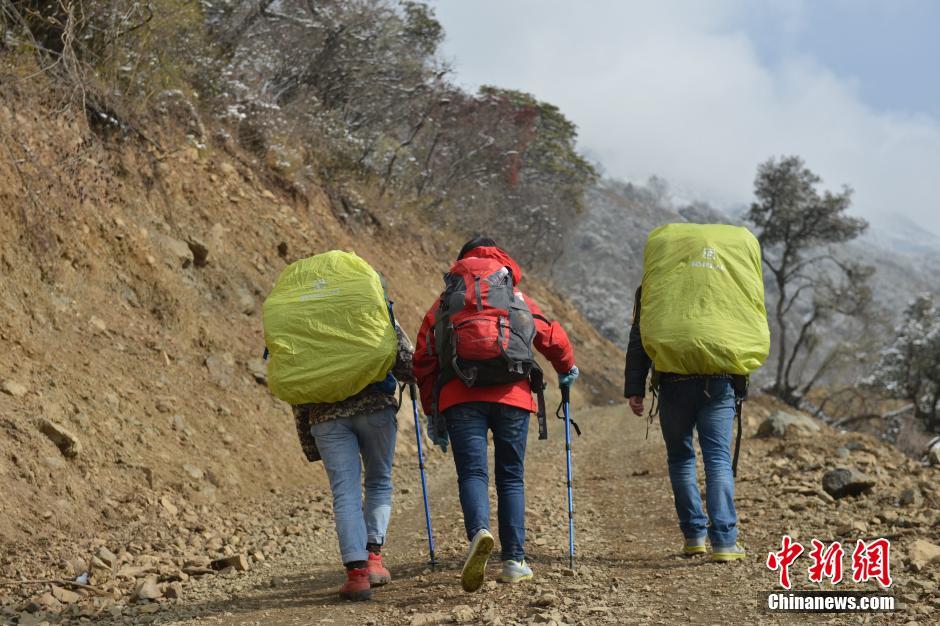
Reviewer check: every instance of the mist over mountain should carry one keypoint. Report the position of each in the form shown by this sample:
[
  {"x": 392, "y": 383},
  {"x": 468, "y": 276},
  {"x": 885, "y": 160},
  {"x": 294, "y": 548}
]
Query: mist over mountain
[{"x": 602, "y": 264}]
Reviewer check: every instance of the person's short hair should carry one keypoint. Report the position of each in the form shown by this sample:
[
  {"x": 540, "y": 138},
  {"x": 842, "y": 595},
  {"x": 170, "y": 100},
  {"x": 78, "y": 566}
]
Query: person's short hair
[{"x": 477, "y": 241}]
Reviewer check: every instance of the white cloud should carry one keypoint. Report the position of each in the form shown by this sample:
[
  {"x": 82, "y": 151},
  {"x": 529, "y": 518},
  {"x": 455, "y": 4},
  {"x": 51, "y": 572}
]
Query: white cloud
[{"x": 676, "y": 89}]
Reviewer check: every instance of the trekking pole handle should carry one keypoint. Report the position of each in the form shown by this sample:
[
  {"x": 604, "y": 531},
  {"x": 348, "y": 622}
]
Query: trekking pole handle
[{"x": 565, "y": 393}]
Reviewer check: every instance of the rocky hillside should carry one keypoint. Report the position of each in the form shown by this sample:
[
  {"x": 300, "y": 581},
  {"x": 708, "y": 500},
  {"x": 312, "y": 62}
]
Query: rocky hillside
[{"x": 134, "y": 264}]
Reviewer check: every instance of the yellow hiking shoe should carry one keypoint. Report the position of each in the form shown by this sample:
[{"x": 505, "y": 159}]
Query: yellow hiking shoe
[
  {"x": 694, "y": 546},
  {"x": 471, "y": 578},
  {"x": 728, "y": 553}
]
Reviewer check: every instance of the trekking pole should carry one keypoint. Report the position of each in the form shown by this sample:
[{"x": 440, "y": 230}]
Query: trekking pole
[
  {"x": 566, "y": 404},
  {"x": 424, "y": 482}
]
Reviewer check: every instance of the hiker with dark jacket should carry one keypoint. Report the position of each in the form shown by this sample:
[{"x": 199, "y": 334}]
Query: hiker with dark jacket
[
  {"x": 687, "y": 403},
  {"x": 465, "y": 414},
  {"x": 359, "y": 432}
]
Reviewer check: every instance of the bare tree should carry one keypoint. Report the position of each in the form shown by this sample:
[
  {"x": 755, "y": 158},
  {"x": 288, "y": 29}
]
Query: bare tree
[{"x": 798, "y": 227}]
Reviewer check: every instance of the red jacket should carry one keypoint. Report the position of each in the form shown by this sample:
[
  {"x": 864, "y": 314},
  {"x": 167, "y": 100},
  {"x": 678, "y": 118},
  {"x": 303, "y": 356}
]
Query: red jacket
[{"x": 550, "y": 339}]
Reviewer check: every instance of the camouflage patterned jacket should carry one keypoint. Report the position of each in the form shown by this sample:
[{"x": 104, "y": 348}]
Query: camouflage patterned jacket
[{"x": 363, "y": 403}]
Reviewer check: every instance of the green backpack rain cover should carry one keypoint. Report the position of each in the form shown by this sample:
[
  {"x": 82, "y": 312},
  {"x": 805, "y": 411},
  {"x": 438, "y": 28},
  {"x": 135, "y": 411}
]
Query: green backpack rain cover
[
  {"x": 702, "y": 302},
  {"x": 328, "y": 329}
]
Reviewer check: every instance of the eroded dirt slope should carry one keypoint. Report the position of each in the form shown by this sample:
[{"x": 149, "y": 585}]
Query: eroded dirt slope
[{"x": 134, "y": 264}]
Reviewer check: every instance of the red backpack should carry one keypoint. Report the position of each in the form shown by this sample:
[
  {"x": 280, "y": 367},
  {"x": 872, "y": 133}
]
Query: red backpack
[{"x": 483, "y": 330}]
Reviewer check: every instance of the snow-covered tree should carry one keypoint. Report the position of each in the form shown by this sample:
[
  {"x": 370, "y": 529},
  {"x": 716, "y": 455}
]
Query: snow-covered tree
[{"x": 909, "y": 368}]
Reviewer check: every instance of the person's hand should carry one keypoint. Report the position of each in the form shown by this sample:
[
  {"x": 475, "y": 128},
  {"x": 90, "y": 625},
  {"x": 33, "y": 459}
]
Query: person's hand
[
  {"x": 567, "y": 380},
  {"x": 636, "y": 405}
]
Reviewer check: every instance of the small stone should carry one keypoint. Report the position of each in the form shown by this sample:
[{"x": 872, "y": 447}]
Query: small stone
[
  {"x": 13, "y": 388},
  {"x": 844, "y": 481},
  {"x": 168, "y": 506},
  {"x": 463, "y": 614},
  {"x": 246, "y": 303},
  {"x": 98, "y": 324},
  {"x": 429, "y": 619},
  {"x": 843, "y": 453},
  {"x": 148, "y": 589},
  {"x": 173, "y": 590},
  {"x": 179, "y": 252},
  {"x": 67, "y": 443},
  {"x": 64, "y": 595},
  {"x": 911, "y": 497},
  {"x": 921, "y": 554},
  {"x": 193, "y": 472},
  {"x": 236, "y": 561},
  {"x": 197, "y": 570},
  {"x": 778, "y": 424},
  {"x": 221, "y": 368},
  {"x": 199, "y": 250},
  {"x": 107, "y": 557},
  {"x": 546, "y": 599},
  {"x": 259, "y": 370},
  {"x": 853, "y": 529}
]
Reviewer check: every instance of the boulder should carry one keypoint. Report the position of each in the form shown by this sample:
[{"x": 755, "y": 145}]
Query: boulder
[
  {"x": 844, "y": 481},
  {"x": 780, "y": 422},
  {"x": 67, "y": 443}
]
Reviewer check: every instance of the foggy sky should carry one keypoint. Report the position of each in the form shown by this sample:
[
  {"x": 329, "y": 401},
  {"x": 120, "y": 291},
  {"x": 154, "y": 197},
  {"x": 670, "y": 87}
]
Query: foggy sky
[{"x": 701, "y": 92}]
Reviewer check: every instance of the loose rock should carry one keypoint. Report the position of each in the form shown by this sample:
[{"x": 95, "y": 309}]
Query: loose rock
[
  {"x": 844, "y": 481},
  {"x": 237, "y": 561},
  {"x": 779, "y": 423},
  {"x": 13, "y": 388},
  {"x": 922, "y": 554},
  {"x": 149, "y": 589},
  {"x": 200, "y": 252},
  {"x": 67, "y": 443}
]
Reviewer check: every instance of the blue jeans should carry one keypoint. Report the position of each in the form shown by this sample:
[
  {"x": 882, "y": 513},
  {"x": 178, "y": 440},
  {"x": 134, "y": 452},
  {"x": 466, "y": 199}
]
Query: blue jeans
[
  {"x": 341, "y": 442},
  {"x": 467, "y": 425},
  {"x": 708, "y": 405}
]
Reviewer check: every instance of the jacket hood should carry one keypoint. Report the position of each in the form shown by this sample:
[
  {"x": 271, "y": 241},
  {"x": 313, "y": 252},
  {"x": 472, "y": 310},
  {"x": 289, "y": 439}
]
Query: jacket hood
[{"x": 497, "y": 254}]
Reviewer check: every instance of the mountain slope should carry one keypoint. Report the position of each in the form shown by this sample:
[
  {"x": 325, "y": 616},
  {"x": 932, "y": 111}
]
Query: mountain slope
[{"x": 133, "y": 274}]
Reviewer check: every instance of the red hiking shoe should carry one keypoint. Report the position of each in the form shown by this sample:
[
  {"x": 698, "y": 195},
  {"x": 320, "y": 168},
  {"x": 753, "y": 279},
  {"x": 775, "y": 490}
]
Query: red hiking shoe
[
  {"x": 378, "y": 575},
  {"x": 357, "y": 585}
]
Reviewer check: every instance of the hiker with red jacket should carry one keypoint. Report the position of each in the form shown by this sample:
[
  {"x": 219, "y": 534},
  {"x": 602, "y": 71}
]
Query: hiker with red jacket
[{"x": 474, "y": 363}]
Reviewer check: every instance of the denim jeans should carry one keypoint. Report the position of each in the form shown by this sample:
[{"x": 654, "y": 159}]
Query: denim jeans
[
  {"x": 341, "y": 443},
  {"x": 467, "y": 426},
  {"x": 707, "y": 405}
]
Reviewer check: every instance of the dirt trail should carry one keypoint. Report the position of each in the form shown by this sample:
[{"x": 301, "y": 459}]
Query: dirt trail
[{"x": 628, "y": 569}]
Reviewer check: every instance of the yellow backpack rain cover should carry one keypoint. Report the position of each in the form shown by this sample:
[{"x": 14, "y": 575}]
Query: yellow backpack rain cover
[
  {"x": 328, "y": 329},
  {"x": 702, "y": 303}
]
